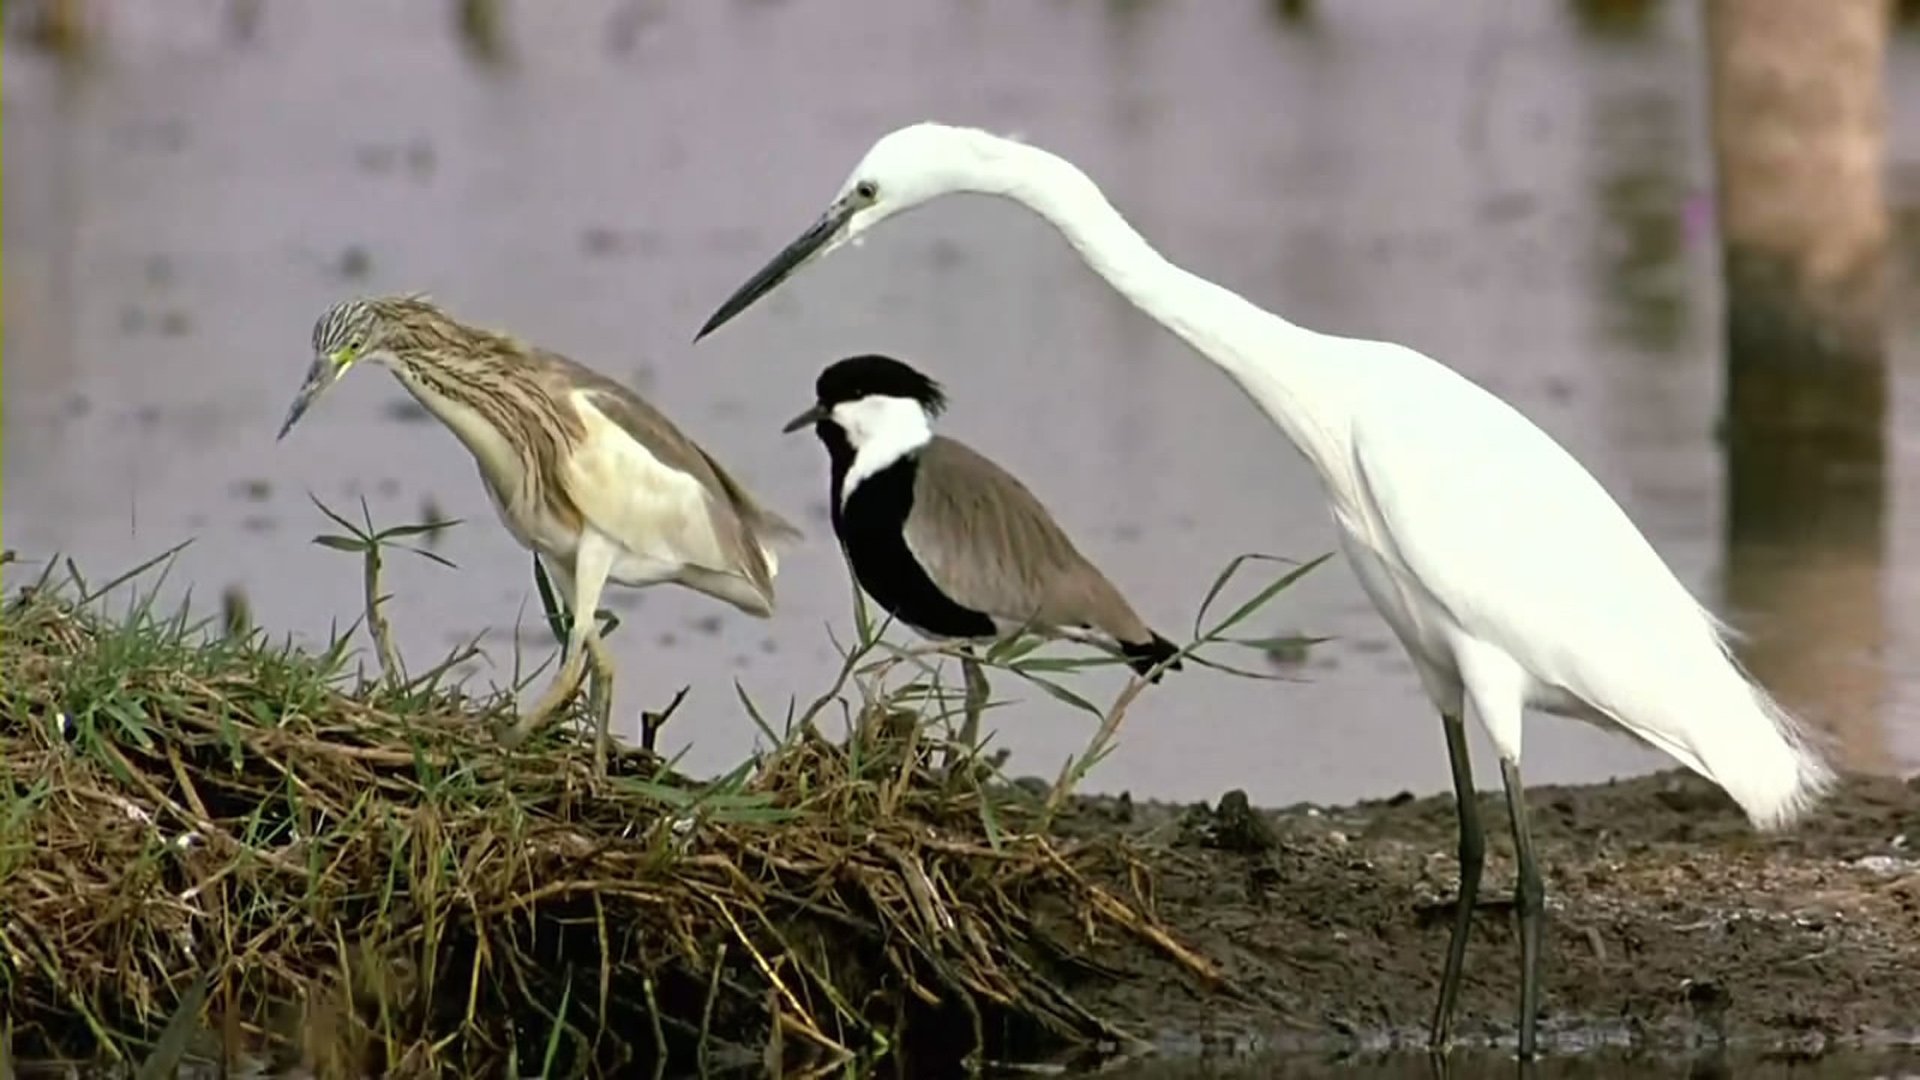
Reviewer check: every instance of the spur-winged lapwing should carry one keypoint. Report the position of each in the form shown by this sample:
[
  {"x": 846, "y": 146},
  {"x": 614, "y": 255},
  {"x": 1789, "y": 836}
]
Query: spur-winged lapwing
[{"x": 946, "y": 541}]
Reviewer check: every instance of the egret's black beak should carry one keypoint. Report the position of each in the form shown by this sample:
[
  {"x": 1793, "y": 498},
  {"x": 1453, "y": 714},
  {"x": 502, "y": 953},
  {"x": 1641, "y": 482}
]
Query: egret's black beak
[
  {"x": 795, "y": 255},
  {"x": 320, "y": 376},
  {"x": 806, "y": 419}
]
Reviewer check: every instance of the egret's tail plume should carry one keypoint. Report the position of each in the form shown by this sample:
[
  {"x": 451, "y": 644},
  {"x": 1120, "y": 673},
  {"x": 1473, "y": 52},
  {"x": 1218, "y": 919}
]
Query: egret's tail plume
[
  {"x": 1776, "y": 781},
  {"x": 1743, "y": 740},
  {"x": 1732, "y": 732}
]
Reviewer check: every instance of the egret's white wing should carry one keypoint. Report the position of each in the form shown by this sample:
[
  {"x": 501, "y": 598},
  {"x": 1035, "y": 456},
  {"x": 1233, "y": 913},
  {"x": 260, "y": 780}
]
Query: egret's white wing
[{"x": 1488, "y": 518}]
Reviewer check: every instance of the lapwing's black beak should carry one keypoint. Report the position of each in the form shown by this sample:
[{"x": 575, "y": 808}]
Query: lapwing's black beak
[
  {"x": 320, "y": 376},
  {"x": 806, "y": 419},
  {"x": 819, "y": 235}
]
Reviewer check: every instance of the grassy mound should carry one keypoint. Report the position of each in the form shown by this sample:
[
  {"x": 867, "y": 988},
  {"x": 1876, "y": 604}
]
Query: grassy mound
[{"x": 351, "y": 872}]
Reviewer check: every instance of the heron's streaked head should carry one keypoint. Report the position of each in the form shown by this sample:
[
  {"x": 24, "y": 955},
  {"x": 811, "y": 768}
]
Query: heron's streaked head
[
  {"x": 907, "y": 167},
  {"x": 873, "y": 399},
  {"x": 350, "y": 331}
]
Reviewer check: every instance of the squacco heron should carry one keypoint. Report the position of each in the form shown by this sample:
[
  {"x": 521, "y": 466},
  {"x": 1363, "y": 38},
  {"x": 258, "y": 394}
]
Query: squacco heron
[{"x": 598, "y": 483}]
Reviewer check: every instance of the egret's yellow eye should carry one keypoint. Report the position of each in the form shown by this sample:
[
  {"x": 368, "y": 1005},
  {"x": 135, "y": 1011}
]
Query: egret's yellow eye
[{"x": 344, "y": 356}]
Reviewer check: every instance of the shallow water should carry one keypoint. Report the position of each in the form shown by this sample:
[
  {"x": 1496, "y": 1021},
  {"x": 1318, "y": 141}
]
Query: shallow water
[{"x": 1512, "y": 191}]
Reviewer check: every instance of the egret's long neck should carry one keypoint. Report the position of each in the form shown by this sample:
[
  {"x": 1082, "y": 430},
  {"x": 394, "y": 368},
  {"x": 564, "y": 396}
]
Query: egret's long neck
[{"x": 1273, "y": 360}]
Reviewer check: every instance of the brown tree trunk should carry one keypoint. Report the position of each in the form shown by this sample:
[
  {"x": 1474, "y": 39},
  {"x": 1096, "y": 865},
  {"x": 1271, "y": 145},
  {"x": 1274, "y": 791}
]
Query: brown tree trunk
[{"x": 1799, "y": 145}]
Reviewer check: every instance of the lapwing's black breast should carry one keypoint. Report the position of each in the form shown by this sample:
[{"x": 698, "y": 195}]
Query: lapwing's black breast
[{"x": 871, "y": 526}]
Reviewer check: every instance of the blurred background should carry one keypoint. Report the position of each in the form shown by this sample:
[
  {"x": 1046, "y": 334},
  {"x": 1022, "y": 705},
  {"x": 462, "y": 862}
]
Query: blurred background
[{"x": 1524, "y": 189}]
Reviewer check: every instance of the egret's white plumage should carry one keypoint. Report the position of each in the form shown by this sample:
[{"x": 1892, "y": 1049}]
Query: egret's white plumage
[{"x": 1506, "y": 570}]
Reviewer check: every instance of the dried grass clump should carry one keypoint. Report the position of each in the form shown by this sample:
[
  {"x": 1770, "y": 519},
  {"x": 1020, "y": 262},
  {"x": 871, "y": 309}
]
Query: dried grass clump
[{"x": 355, "y": 875}]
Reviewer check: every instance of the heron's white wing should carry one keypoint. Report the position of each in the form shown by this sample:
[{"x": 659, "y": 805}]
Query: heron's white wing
[
  {"x": 657, "y": 513},
  {"x": 664, "y": 440}
]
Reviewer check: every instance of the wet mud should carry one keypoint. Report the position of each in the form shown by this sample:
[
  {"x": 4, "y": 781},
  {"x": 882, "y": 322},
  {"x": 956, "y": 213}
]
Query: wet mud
[{"x": 1671, "y": 924}]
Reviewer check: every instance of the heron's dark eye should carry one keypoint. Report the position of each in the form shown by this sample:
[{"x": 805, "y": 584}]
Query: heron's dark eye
[{"x": 867, "y": 189}]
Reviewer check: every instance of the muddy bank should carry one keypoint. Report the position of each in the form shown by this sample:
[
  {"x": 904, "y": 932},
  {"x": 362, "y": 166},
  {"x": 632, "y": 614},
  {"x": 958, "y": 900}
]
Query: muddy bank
[{"x": 1671, "y": 924}]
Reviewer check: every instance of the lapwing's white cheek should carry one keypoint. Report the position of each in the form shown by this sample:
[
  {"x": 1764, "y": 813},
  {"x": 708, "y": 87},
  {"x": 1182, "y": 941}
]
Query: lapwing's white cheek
[{"x": 881, "y": 419}]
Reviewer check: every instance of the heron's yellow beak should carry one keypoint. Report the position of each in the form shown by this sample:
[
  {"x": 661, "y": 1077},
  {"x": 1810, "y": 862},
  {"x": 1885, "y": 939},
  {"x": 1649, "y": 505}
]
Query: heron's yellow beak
[{"x": 326, "y": 371}]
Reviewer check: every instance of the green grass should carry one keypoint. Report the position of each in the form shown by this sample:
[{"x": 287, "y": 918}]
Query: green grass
[{"x": 347, "y": 869}]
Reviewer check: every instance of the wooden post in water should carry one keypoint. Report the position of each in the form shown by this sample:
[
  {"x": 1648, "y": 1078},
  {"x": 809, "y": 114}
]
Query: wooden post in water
[{"x": 1799, "y": 144}]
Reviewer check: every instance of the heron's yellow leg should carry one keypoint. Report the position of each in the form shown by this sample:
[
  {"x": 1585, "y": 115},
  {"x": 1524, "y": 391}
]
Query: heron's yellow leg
[
  {"x": 601, "y": 701},
  {"x": 592, "y": 561}
]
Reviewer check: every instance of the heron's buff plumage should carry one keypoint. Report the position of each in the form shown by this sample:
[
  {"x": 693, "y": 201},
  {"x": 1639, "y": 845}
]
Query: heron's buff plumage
[
  {"x": 526, "y": 392},
  {"x": 498, "y": 377}
]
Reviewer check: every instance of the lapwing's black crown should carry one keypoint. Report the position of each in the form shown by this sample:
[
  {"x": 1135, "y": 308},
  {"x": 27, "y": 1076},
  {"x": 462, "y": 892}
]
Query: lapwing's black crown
[{"x": 872, "y": 375}]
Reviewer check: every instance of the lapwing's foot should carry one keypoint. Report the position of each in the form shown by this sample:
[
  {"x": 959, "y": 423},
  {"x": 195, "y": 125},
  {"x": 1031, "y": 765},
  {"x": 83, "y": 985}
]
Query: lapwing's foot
[{"x": 965, "y": 766}]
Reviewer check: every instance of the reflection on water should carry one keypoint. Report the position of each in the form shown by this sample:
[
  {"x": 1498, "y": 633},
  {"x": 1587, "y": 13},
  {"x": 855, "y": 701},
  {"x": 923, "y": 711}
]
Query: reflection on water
[
  {"x": 1482, "y": 1066},
  {"x": 1805, "y": 550},
  {"x": 1511, "y": 187},
  {"x": 1639, "y": 164}
]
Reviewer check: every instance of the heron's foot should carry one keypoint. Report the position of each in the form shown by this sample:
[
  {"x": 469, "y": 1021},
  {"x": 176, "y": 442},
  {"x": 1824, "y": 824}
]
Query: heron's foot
[
  {"x": 510, "y": 734},
  {"x": 550, "y": 705},
  {"x": 597, "y": 785},
  {"x": 536, "y": 719},
  {"x": 600, "y": 704}
]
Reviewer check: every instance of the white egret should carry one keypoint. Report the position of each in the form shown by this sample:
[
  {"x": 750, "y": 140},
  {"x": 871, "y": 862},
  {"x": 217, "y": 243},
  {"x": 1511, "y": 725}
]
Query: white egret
[{"x": 1505, "y": 569}]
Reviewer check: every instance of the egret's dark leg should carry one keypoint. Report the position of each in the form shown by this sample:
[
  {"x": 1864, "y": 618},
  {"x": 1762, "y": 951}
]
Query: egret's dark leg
[
  {"x": 1530, "y": 899},
  {"x": 1473, "y": 855}
]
